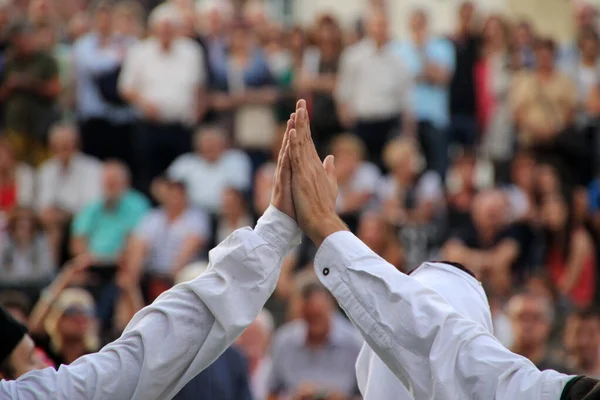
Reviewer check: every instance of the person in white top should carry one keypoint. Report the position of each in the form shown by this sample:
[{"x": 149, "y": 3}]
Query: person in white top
[
  {"x": 163, "y": 77},
  {"x": 171, "y": 341},
  {"x": 66, "y": 182},
  {"x": 211, "y": 169},
  {"x": 406, "y": 323}
]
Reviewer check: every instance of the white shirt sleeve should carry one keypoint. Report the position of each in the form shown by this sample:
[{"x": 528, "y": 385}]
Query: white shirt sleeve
[
  {"x": 406, "y": 324},
  {"x": 171, "y": 341}
]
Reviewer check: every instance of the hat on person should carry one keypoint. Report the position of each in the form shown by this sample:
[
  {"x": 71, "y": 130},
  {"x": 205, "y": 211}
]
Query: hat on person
[
  {"x": 11, "y": 334},
  {"x": 191, "y": 272}
]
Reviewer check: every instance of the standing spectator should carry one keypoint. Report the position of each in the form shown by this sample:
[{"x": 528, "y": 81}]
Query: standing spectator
[
  {"x": 531, "y": 318},
  {"x": 30, "y": 87},
  {"x": 163, "y": 79},
  {"x": 211, "y": 169},
  {"x": 105, "y": 121},
  {"x": 255, "y": 343},
  {"x": 234, "y": 215},
  {"x": 493, "y": 80},
  {"x": 65, "y": 183},
  {"x": 570, "y": 257},
  {"x": 585, "y": 329},
  {"x": 25, "y": 255},
  {"x": 377, "y": 233},
  {"x": 319, "y": 77},
  {"x": 373, "y": 92},
  {"x": 463, "y": 122},
  {"x": 168, "y": 239},
  {"x": 432, "y": 61},
  {"x": 314, "y": 356},
  {"x": 586, "y": 19},
  {"x": 246, "y": 93},
  {"x": 523, "y": 43},
  {"x": 584, "y": 71},
  {"x": 17, "y": 180},
  {"x": 488, "y": 246},
  {"x": 544, "y": 103},
  {"x": 357, "y": 179},
  {"x": 217, "y": 17},
  {"x": 102, "y": 227}
]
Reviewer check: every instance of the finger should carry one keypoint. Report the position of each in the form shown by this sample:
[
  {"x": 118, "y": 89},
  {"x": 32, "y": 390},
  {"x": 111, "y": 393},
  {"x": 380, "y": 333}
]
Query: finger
[
  {"x": 300, "y": 104},
  {"x": 281, "y": 148},
  {"x": 293, "y": 119},
  {"x": 329, "y": 165},
  {"x": 295, "y": 150},
  {"x": 300, "y": 123}
]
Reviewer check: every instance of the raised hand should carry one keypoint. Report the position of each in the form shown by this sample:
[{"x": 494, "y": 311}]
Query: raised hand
[
  {"x": 281, "y": 196},
  {"x": 314, "y": 185}
]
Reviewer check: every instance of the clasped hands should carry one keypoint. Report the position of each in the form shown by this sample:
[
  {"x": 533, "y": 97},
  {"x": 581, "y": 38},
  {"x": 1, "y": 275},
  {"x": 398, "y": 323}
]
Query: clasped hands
[{"x": 304, "y": 188}]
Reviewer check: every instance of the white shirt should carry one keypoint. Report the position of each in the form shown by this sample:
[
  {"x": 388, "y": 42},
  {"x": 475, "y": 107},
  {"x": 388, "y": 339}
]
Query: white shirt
[
  {"x": 461, "y": 291},
  {"x": 170, "y": 80},
  {"x": 69, "y": 188},
  {"x": 375, "y": 84},
  {"x": 25, "y": 179},
  {"x": 408, "y": 324},
  {"x": 172, "y": 340},
  {"x": 165, "y": 238},
  {"x": 206, "y": 181}
]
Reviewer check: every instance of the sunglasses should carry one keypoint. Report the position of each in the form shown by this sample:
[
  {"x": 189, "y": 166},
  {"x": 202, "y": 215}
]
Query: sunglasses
[{"x": 74, "y": 311}]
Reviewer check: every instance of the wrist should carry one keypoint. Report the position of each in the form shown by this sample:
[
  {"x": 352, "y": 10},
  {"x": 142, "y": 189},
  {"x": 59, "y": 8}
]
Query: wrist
[{"x": 325, "y": 226}]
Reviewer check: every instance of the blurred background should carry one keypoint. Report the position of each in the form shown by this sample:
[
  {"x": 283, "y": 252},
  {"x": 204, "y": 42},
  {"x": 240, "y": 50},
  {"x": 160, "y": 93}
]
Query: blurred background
[{"x": 137, "y": 135}]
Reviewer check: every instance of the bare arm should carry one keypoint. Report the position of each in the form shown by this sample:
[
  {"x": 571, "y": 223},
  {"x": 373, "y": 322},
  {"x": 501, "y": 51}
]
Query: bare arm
[
  {"x": 581, "y": 249},
  {"x": 190, "y": 247}
]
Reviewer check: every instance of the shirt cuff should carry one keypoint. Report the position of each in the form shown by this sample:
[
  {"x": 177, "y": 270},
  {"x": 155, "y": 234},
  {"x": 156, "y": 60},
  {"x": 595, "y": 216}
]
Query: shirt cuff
[
  {"x": 278, "y": 230},
  {"x": 338, "y": 250}
]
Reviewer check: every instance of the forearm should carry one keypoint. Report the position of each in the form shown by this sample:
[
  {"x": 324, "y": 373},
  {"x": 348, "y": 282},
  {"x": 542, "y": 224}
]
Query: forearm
[
  {"x": 171, "y": 341},
  {"x": 266, "y": 96},
  {"x": 49, "y": 296}
]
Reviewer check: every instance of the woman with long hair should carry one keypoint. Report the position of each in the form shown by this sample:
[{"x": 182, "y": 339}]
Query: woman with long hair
[{"x": 569, "y": 258}]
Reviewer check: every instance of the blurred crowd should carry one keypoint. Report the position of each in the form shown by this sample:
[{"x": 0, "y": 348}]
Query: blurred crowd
[{"x": 136, "y": 136}]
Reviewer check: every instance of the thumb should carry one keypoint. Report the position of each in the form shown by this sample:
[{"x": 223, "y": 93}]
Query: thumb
[{"x": 329, "y": 165}]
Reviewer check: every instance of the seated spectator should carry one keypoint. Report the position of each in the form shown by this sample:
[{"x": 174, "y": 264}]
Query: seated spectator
[
  {"x": 488, "y": 246},
  {"x": 30, "y": 89},
  {"x": 461, "y": 188},
  {"x": 245, "y": 90},
  {"x": 17, "y": 304},
  {"x": 27, "y": 261},
  {"x": 65, "y": 183},
  {"x": 69, "y": 329},
  {"x": 377, "y": 233},
  {"x": 234, "y": 214},
  {"x": 19, "y": 355},
  {"x": 407, "y": 182},
  {"x": 211, "y": 169},
  {"x": 521, "y": 191},
  {"x": 167, "y": 239},
  {"x": 17, "y": 180},
  {"x": 357, "y": 179},
  {"x": 314, "y": 356},
  {"x": 255, "y": 343},
  {"x": 584, "y": 327},
  {"x": 570, "y": 256},
  {"x": 532, "y": 317},
  {"x": 225, "y": 379},
  {"x": 162, "y": 77},
  {"x": 102, "y": 227}
]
